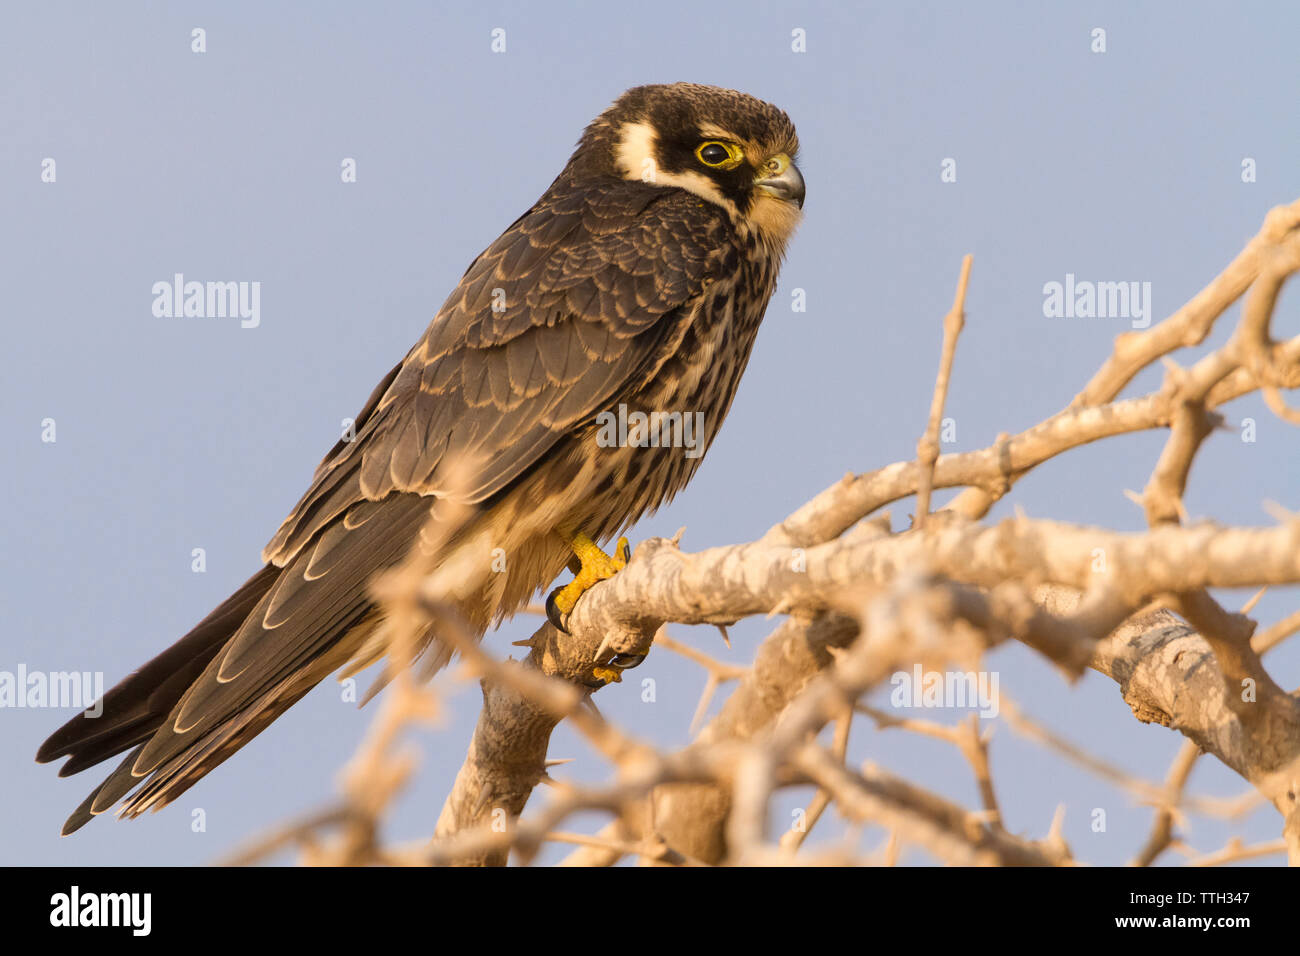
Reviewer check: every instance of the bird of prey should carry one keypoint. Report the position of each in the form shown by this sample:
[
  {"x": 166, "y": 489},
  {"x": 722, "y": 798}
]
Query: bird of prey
[{"x": 635, "y": 284}]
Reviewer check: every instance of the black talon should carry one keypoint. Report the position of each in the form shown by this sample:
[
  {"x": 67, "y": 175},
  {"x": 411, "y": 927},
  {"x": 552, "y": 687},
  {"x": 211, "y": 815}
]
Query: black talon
[{"x": 553, "y": 613}]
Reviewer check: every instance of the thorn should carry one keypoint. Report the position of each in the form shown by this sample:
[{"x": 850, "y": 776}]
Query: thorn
[
  {"x": 726, "y": 638},
  {"x": 702, "y": 707},
  {"x": 1255, "y": 598},
  {"x": 837, "y": 653},
  {"x": 1058, "y": 823},
  {"x": 782, "y": 606},
  {"x": 1134, "y": 497},
  {"x": 1278, "y": 513},
  {"x": 559, "y": 761},
  {"x": 526, "y": 642},
  {"x": 484, "y": 795},
  {"x": 677, "y": 538}
]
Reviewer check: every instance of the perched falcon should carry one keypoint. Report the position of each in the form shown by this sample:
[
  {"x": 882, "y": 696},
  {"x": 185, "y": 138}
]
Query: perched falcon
[{"x": 635, "y": 285}]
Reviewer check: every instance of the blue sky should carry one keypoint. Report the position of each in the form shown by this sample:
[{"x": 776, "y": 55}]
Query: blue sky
[{"x": 175, "y": 434}]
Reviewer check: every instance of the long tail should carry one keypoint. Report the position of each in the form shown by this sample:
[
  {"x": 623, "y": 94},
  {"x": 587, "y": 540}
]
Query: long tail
[
  {"x": 262, "y": 650},
  {"x": 136, "y": 707}
]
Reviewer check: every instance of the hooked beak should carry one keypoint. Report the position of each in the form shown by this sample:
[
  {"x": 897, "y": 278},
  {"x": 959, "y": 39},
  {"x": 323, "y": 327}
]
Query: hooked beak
[{"x": 781, "y": 178}]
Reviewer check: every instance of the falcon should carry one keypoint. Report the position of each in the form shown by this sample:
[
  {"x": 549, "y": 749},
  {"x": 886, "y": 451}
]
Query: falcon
[{"x": 634, "y": 286}]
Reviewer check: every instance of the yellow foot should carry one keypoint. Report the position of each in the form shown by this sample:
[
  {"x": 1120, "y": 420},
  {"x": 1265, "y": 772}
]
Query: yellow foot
[{"x": 594, "y": 566}]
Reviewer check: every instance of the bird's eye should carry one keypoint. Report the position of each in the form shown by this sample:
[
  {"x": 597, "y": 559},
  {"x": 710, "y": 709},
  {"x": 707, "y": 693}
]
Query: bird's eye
[{"x": 719, "y": 155}]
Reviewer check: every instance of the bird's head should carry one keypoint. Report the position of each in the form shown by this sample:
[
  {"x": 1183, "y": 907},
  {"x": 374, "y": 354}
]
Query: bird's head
[{"x": 725, "y": 147}]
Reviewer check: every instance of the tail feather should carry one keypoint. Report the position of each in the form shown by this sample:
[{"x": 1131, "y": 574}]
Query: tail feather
[
  {"x": 196, "y": 704},
  {"x": 171, "y": 779},
  {"x": 136, "y": 706},
  {"x": 114, "y": 786},
  {"x": 100, "y": 747}
]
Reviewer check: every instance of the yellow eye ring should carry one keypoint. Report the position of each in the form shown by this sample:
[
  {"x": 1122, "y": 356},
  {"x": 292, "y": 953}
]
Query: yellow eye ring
[{"x": 716, "y": 154}]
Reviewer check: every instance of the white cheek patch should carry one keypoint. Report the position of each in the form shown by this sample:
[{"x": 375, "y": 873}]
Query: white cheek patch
[
  {"x": 635, "y": 154},
  {"x": 635, "y": 157}
]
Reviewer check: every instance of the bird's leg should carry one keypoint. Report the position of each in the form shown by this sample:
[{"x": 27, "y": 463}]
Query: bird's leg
[{"x": 594, "y": 566}]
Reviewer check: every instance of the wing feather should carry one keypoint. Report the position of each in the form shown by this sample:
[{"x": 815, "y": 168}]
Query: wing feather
[{"x": 569, "y": 308}]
